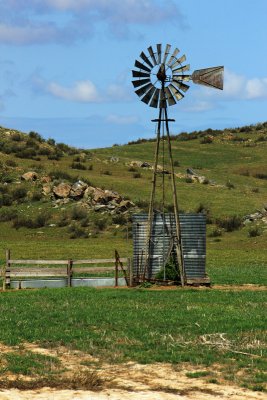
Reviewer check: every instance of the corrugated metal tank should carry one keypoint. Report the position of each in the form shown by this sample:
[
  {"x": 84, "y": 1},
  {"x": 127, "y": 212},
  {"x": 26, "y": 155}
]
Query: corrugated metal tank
[{"x": 193, "y": 237}]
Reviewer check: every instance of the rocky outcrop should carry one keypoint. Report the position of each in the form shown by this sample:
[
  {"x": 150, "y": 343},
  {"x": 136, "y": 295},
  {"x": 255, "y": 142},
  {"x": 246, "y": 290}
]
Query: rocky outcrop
[
  {"x": 62, "y": 190},
  {"x": 260, "y": 215},
  {"x": 29, "y": 176}
]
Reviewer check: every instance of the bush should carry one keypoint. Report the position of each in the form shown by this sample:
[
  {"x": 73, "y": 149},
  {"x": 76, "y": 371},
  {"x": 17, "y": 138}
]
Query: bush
[
  {"x": 216, "y": 233},
  {"x": 17, "y": 137},
  {"x": 8, "y": 215},
  {"x": 78, "y": 165},
  {"x": 5, "y": 200},
  {"x": 255, "y": 231},
  {"x": 90, "y": 167},
  {"x": 230, "y": 224},
  {"x": 11, "y": 163},
  {"x": 136, "y": 175},
  {"x": 58, "y": 174},
  {"x": 78, "y": 213},
  {"x": 36, "y": 196},
  {"x": 36, "y": 136},
  {"x": 230, "y": 185},
  {"x": 100, "y": 224},
  {"x": 206, "y": 140},
  {"x": 188, "y": 180},
  {"x": 132, "y": 169},
  {"x": 119, "y": 219},
  {"x": 142, "y": 203},
  {"x": 77, "y": 232},
  {"x": 171, "y": 272},
  {"x": 176, "y": 163},
  {"x": 107, "y": 172},
  {"x": 27, "y": 222},
  {"x": 26, "y": 153},
  {"x": 255, "y": 190},
  {"x": 19, "y": 193},
  {"x": 260, "y": 175}
]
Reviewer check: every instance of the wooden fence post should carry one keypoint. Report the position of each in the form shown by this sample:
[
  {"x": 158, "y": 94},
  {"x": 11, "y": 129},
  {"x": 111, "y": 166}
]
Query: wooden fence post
[
  {"x": 69, "y": 272},
  {"x": 116, "y": 269},
  {"x": 6, "y": 272},
  {"x": 130, "y": 272}
]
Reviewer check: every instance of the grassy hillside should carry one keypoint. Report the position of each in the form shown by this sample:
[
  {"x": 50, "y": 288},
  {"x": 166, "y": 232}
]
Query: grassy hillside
[{"x": 233, "y": 163}]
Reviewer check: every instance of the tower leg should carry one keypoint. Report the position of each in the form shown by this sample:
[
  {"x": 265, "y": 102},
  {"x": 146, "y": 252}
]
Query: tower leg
[{"x": 178, "y": 242}]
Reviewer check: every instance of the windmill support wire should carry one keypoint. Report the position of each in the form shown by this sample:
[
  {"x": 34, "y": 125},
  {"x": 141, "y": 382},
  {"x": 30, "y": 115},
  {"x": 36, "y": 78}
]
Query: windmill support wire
[{"x": 163, "y": 118}]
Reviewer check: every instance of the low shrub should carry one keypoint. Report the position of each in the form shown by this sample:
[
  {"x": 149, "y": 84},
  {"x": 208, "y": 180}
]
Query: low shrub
[
  {"x": 215, "y": 233},
  {"x": 206, "y": 140},
  {"x": 255, "y": 190},
  {"x": 170, "y": 273},
  {"x": 188, "y": 179},
  {"x": 19, "y": 193},
  {"x": 119, "y": 219},
  {"x": 8, "y": 215},
  {"x": 58, "y": 174},
  {"x": 77, "y": 232},
  {"x": 142, "y": 204},
  {"x": 230, "y": 223},
  {"x": 100, "y": 224},
  {"x": 229, "y": 185},
  {"x": 78, "y": 213},
  {"x": 107, "y": 172},
  {"x": 176, "y": 163},
  {"x": 78, "y": 165},
  {"x": 11, "y": 163},
  {"x": 260, "y": 175},
  {"x": 90, "y": 167},
  {"x": 36, "y": 196},
  {"x": 24, "y": 221},
  {"x": 255, "y": 231},
  {"x": 5, "y": 200},
  {"x": 137, "y": 175},
  {"x": 132, "y": 169}
]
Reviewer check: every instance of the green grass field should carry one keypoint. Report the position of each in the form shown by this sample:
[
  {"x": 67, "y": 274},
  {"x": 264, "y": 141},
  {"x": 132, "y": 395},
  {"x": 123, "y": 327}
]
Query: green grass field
[
  {"x": 202, "y": 328},
  {"x": 205, "y": 327}
]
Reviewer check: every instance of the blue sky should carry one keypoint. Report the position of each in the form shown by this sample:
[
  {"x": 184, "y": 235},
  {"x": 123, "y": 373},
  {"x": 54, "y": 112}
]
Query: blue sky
[{"x": 65, "y": 65}]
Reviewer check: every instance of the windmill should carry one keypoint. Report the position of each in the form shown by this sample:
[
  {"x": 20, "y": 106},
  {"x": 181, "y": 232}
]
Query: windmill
[{"x": 160, "y": 79}]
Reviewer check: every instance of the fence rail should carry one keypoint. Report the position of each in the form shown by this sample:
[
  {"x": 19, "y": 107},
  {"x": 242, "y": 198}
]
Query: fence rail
[{"x": 64, "y": 268}]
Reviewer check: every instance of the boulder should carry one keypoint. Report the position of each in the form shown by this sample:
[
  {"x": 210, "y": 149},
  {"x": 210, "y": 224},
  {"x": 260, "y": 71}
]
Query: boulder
[
  {"x": 125, "y": 205},
  {"x": 29, "y": 176},
  {"x": 47, "y": 189},
  {"x": 45, "y": 179},
  {"x": 78, "y": 189},
  {"x": 62, "y": 190}
]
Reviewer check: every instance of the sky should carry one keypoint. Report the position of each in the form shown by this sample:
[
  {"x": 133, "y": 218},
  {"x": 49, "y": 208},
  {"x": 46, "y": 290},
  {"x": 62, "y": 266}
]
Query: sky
[{"x": 65, "y": 65}]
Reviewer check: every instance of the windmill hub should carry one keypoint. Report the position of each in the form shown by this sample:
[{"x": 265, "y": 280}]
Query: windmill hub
[{"x": 161, "y": 75}]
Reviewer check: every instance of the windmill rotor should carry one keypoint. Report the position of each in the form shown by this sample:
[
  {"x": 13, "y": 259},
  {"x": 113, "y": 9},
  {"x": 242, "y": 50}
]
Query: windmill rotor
[{"x": 160, "y": 76}]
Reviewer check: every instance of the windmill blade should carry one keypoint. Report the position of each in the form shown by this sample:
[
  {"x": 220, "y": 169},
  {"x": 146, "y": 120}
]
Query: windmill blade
[
  {"x": 152, "y": 55},
  {"x": 166, "y": 53},
  {"x": 180, "y": 85},
  {"x": 181, "y": 69},
  {"x": 137, "y": 64},
  {"x": 177, "y": 94},
  {"x": 159, "y": 53},
  {"x": 185, "y": 78},
  {"x": 146, "y": 59},
  {"x": 140, "y": 82},
  {"x": 178, "y": 62},
  {"x": 155, "y": 99},
  {"x": 162, "y": 100},
  {"x": 173, "y": 56},
  {"x": 139, "y": 74},
  {"x": 143, "y": 90},
  {"x": 170, "y": 98},
  {"x": 146, "y": 99},
  {"x": 211, "y": 77}
]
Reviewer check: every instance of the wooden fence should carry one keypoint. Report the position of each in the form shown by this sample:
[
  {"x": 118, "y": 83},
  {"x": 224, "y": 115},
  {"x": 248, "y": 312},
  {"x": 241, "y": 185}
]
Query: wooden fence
[{"x": 19, "y": 268}]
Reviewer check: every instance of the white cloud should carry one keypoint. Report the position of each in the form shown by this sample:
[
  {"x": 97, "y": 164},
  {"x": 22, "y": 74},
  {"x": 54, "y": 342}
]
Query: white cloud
[
  {"x": 30, "y": 21},
  {"x": 81, "y": 91}
]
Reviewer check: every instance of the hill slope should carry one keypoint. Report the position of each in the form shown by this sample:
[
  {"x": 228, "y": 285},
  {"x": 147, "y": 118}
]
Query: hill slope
[{"x": 231, "y": 165}]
